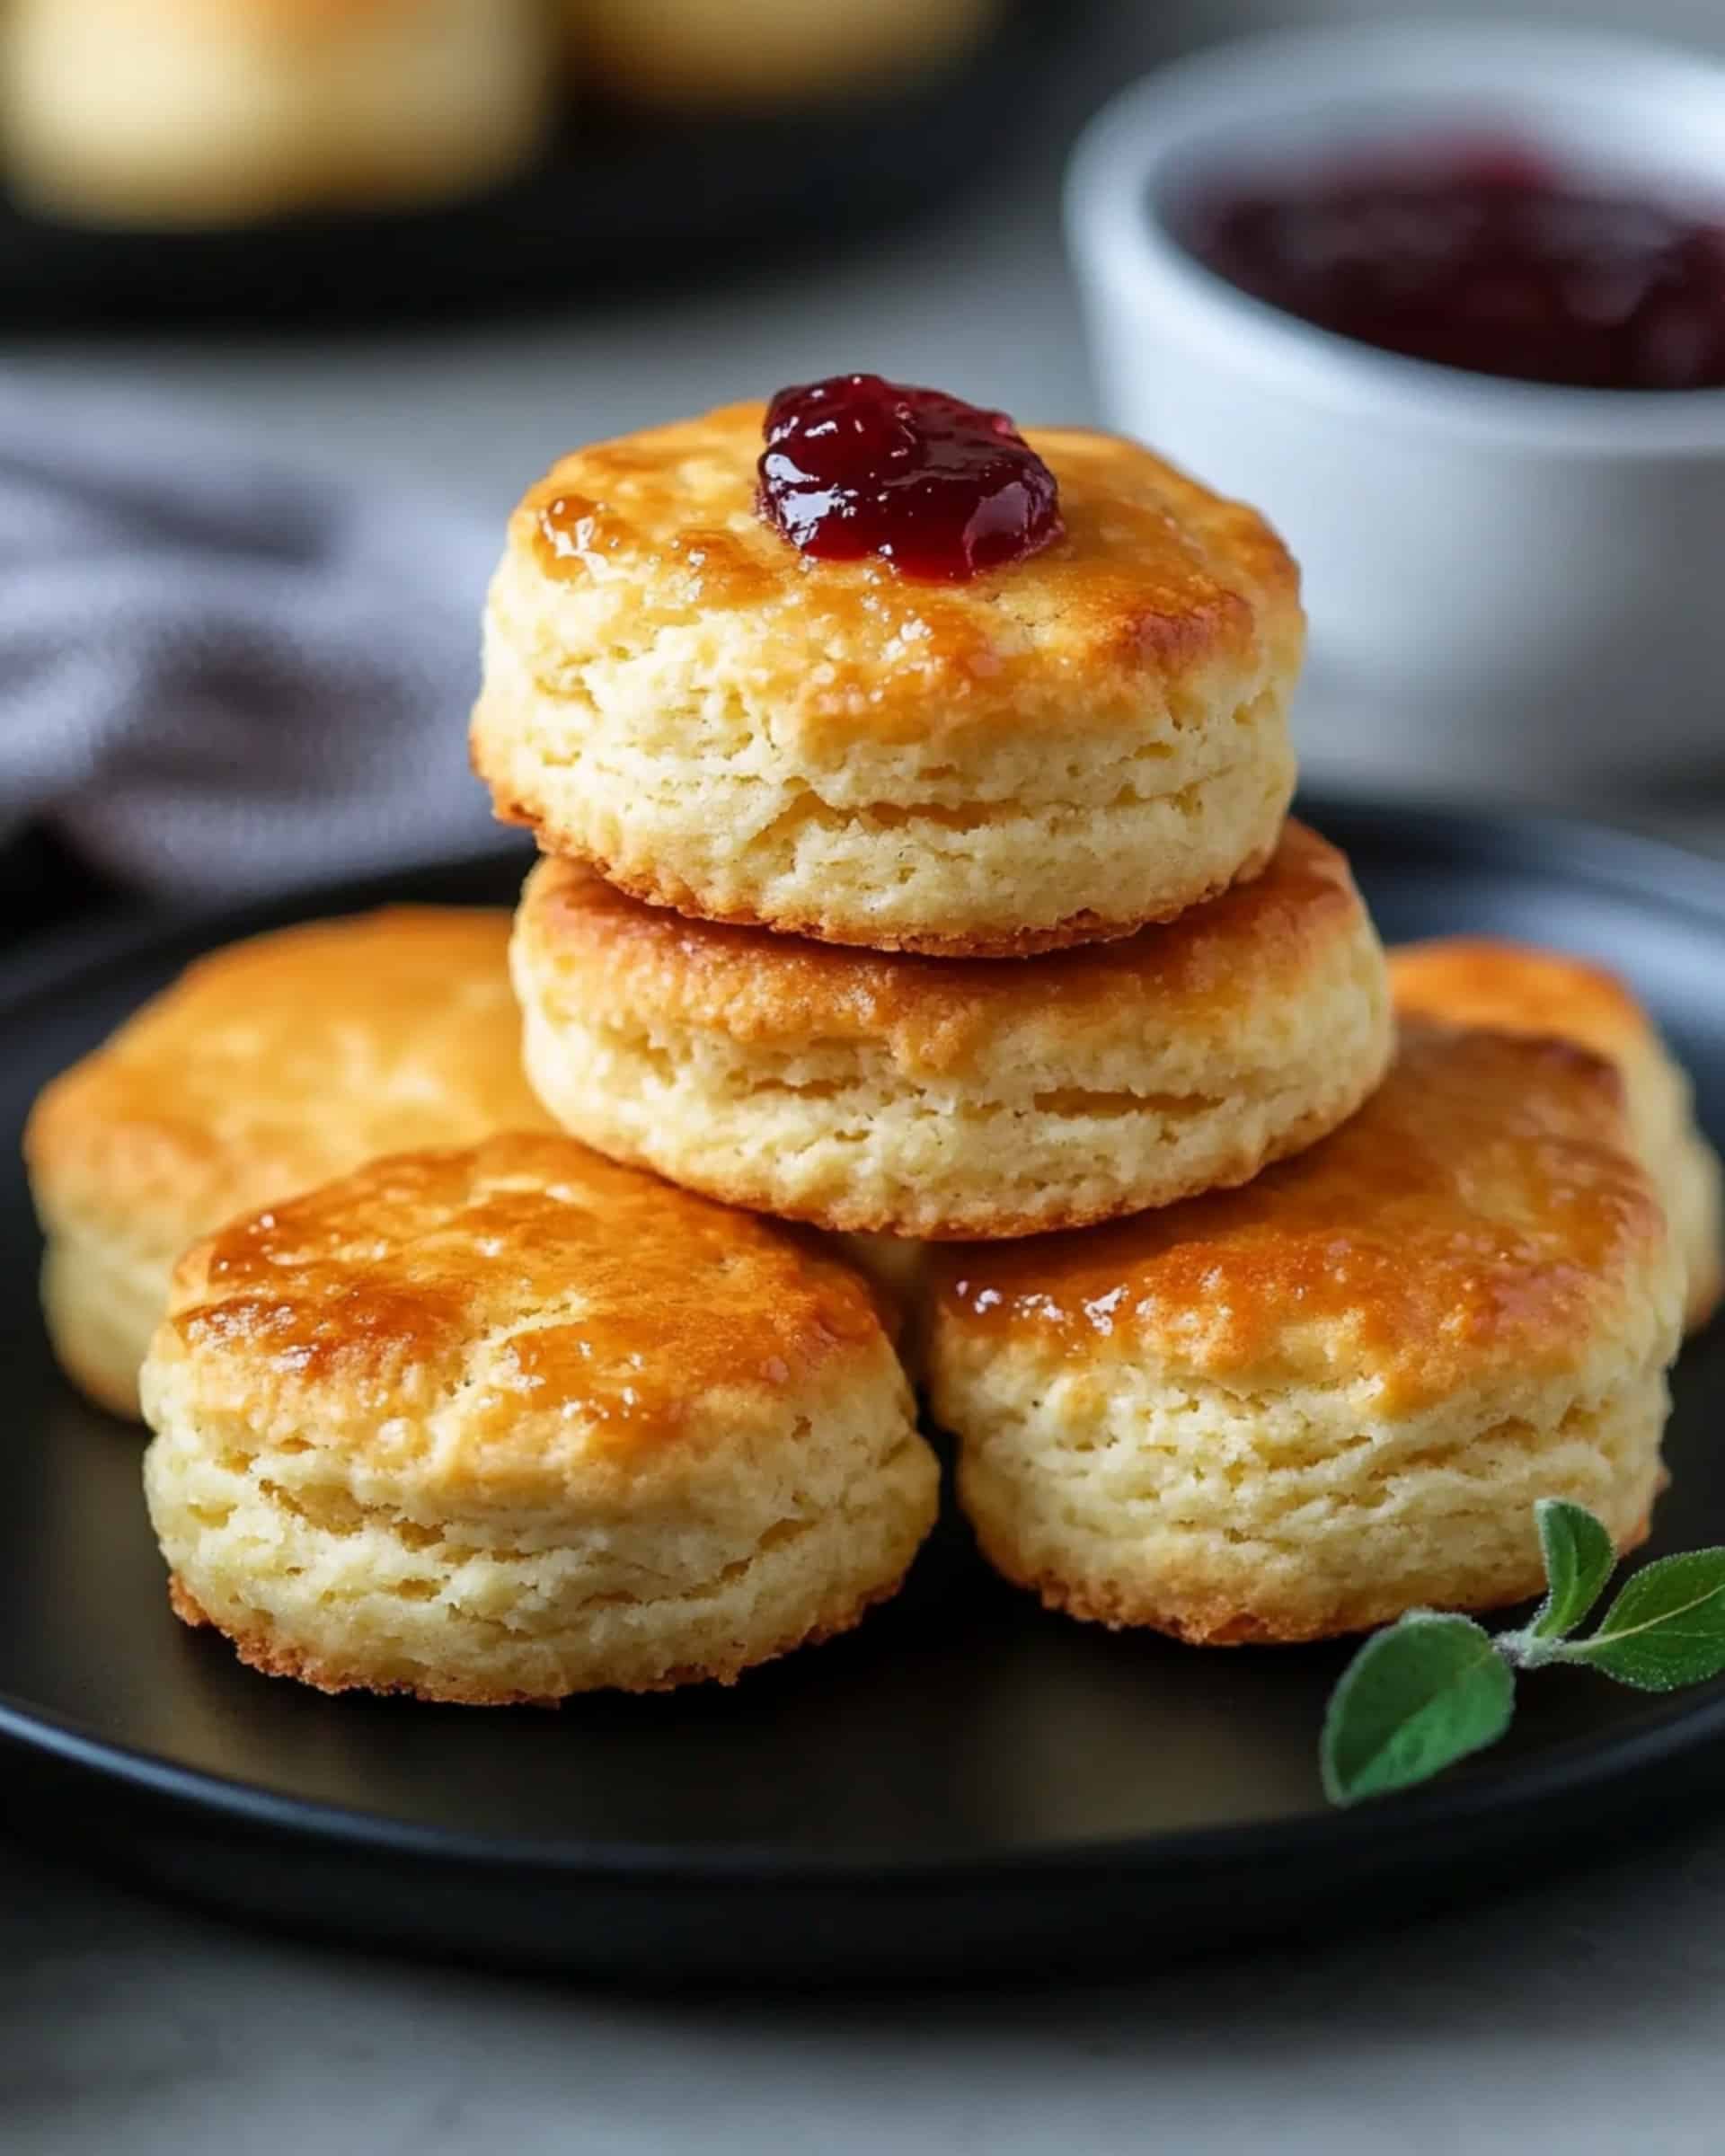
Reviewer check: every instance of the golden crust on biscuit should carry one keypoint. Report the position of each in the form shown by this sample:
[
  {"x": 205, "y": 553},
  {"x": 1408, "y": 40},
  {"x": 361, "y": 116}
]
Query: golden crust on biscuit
[
  {"x": 1154, "y": 577},
  {"x": 1480, "y": 1210},
  {"x": 1303, "y": 1406},
  {"x": 1063, "y": 749},
  {"x": 268, "y": 1066},
  {"x": 1479, "y": 980},
  {"x": 509, "y": 1421},
  {"x": 938, "y": 1098},
  {"x": 566, "y": 1294}
]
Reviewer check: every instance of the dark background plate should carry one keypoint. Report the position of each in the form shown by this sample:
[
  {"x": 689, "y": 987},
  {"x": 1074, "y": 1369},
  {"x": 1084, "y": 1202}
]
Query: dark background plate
[{"x": 964, "y": 1783}]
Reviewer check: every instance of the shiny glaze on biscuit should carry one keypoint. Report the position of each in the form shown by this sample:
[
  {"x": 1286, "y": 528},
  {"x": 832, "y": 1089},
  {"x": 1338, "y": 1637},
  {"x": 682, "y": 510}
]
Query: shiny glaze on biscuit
[
  {"x": 1154, "y": 576},
  {"x": 533, "y": 1278},
  {"x": 937, "y": 1012},
  {"x": 1477, "y": 1210}
]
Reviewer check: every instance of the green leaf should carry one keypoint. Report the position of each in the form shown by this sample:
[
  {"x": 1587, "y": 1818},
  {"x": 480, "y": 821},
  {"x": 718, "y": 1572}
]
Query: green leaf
[
  {"x": 1579, "y": 1560},
  {"x": 1413, "y": 1700},
  {"x": 1666, "y": 1629}
]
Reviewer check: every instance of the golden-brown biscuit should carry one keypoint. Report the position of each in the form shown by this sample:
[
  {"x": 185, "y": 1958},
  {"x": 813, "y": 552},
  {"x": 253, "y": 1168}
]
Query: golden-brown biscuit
[
  {"x": 944, "y": 1096},
  {"x": 1305, "y": 1407},
  {"x": 165, "y": 112},
  {"x": 1480, "y": 981},
  {"x": 267, "y": 1067},
  {"x": 509, "y": 1422},
  {"x": 760, "y": 55},
  {"x": 1059, "y": 750}
]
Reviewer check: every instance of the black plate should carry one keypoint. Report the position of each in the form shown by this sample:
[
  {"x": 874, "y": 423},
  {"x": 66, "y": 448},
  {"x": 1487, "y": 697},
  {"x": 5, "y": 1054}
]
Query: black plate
[
  {"x": 966, "y": 1782},
  {"x": 614, "y": 198}
]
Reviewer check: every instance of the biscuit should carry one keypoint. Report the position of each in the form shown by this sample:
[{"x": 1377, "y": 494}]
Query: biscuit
[
  {"x": 1306, "y": 1407},
  {"x": 759, "y": 55},
  {"x": 938, "y": 1097},
  {"x": 1479, "y": 981},
  {"x": 1059, "y": 750},
  {"x": 175, "y": 112},
  {"x": 266, "y": 1068},
  {"x": 502, "y": 1423}
]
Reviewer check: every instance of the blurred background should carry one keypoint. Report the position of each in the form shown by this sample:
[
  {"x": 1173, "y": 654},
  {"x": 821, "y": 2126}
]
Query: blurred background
[
  {"x": 416, "y": 248},
  {"x": 936, "y": 256}
]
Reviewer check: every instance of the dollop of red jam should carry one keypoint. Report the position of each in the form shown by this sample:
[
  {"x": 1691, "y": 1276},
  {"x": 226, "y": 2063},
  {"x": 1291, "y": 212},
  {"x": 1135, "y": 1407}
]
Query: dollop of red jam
[
  {"x": 1481, "y": 256},
  {"x": 942, "y": 490}
]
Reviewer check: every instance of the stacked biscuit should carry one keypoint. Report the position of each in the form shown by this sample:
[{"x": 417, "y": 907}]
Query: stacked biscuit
[
  {"x": 962, "y": 921},
  {"x": 964, "y": 913},
  {"x": 910, "y": 909}
]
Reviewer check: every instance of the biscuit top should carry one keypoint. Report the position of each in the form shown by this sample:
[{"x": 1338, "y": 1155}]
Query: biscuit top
[
  {"x": 1482, "y": 1211},
  {"x": 1154, "y": 579},
  {"x": 601, "y": 949},
  {"x": 509, "y": 1310},
  {"x": 1479, "y": 981},
  {"x": 282, "y": 1060}
]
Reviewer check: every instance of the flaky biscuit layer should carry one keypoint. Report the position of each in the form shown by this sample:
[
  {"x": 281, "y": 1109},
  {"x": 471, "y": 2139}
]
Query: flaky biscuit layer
[{"x": 937, "y": 1098}]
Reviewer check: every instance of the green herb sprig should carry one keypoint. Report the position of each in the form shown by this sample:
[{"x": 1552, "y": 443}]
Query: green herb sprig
[{"x": 1432, "y": 1688}]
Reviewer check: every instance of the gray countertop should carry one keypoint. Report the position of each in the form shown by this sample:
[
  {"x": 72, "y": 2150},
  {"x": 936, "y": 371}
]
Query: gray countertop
[{"x": 1582, "y": 2016}]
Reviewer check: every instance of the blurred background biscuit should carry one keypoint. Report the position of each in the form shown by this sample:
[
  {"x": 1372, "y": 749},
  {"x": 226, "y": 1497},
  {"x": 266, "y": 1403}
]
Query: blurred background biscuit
[
  {"x": 210, "y": 112},
  {"x": 936, "y": 1096},
  {"x": 267, "y": 1067},
  {"x": 506, "y": 1423},
  {"x": 692, "y": 56},
  {"x": 1062, "y": 749},
  {"x": 1305, "y": 1407},
  {"x": 1478, "y": 980}
]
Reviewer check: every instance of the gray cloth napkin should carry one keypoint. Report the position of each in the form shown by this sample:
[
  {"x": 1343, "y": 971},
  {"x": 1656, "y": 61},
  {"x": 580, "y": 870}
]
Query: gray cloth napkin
[{"x": 221, "y": 677}]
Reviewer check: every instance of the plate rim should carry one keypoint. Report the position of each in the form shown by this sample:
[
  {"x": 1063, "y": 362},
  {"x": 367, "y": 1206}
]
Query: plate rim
[
  {"x": 1570, "y": 1769},
  {"x": 1665, "y": 874}
]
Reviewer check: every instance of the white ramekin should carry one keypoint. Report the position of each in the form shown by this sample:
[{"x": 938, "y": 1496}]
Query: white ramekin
[{"x": 1511, "y": 586}]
